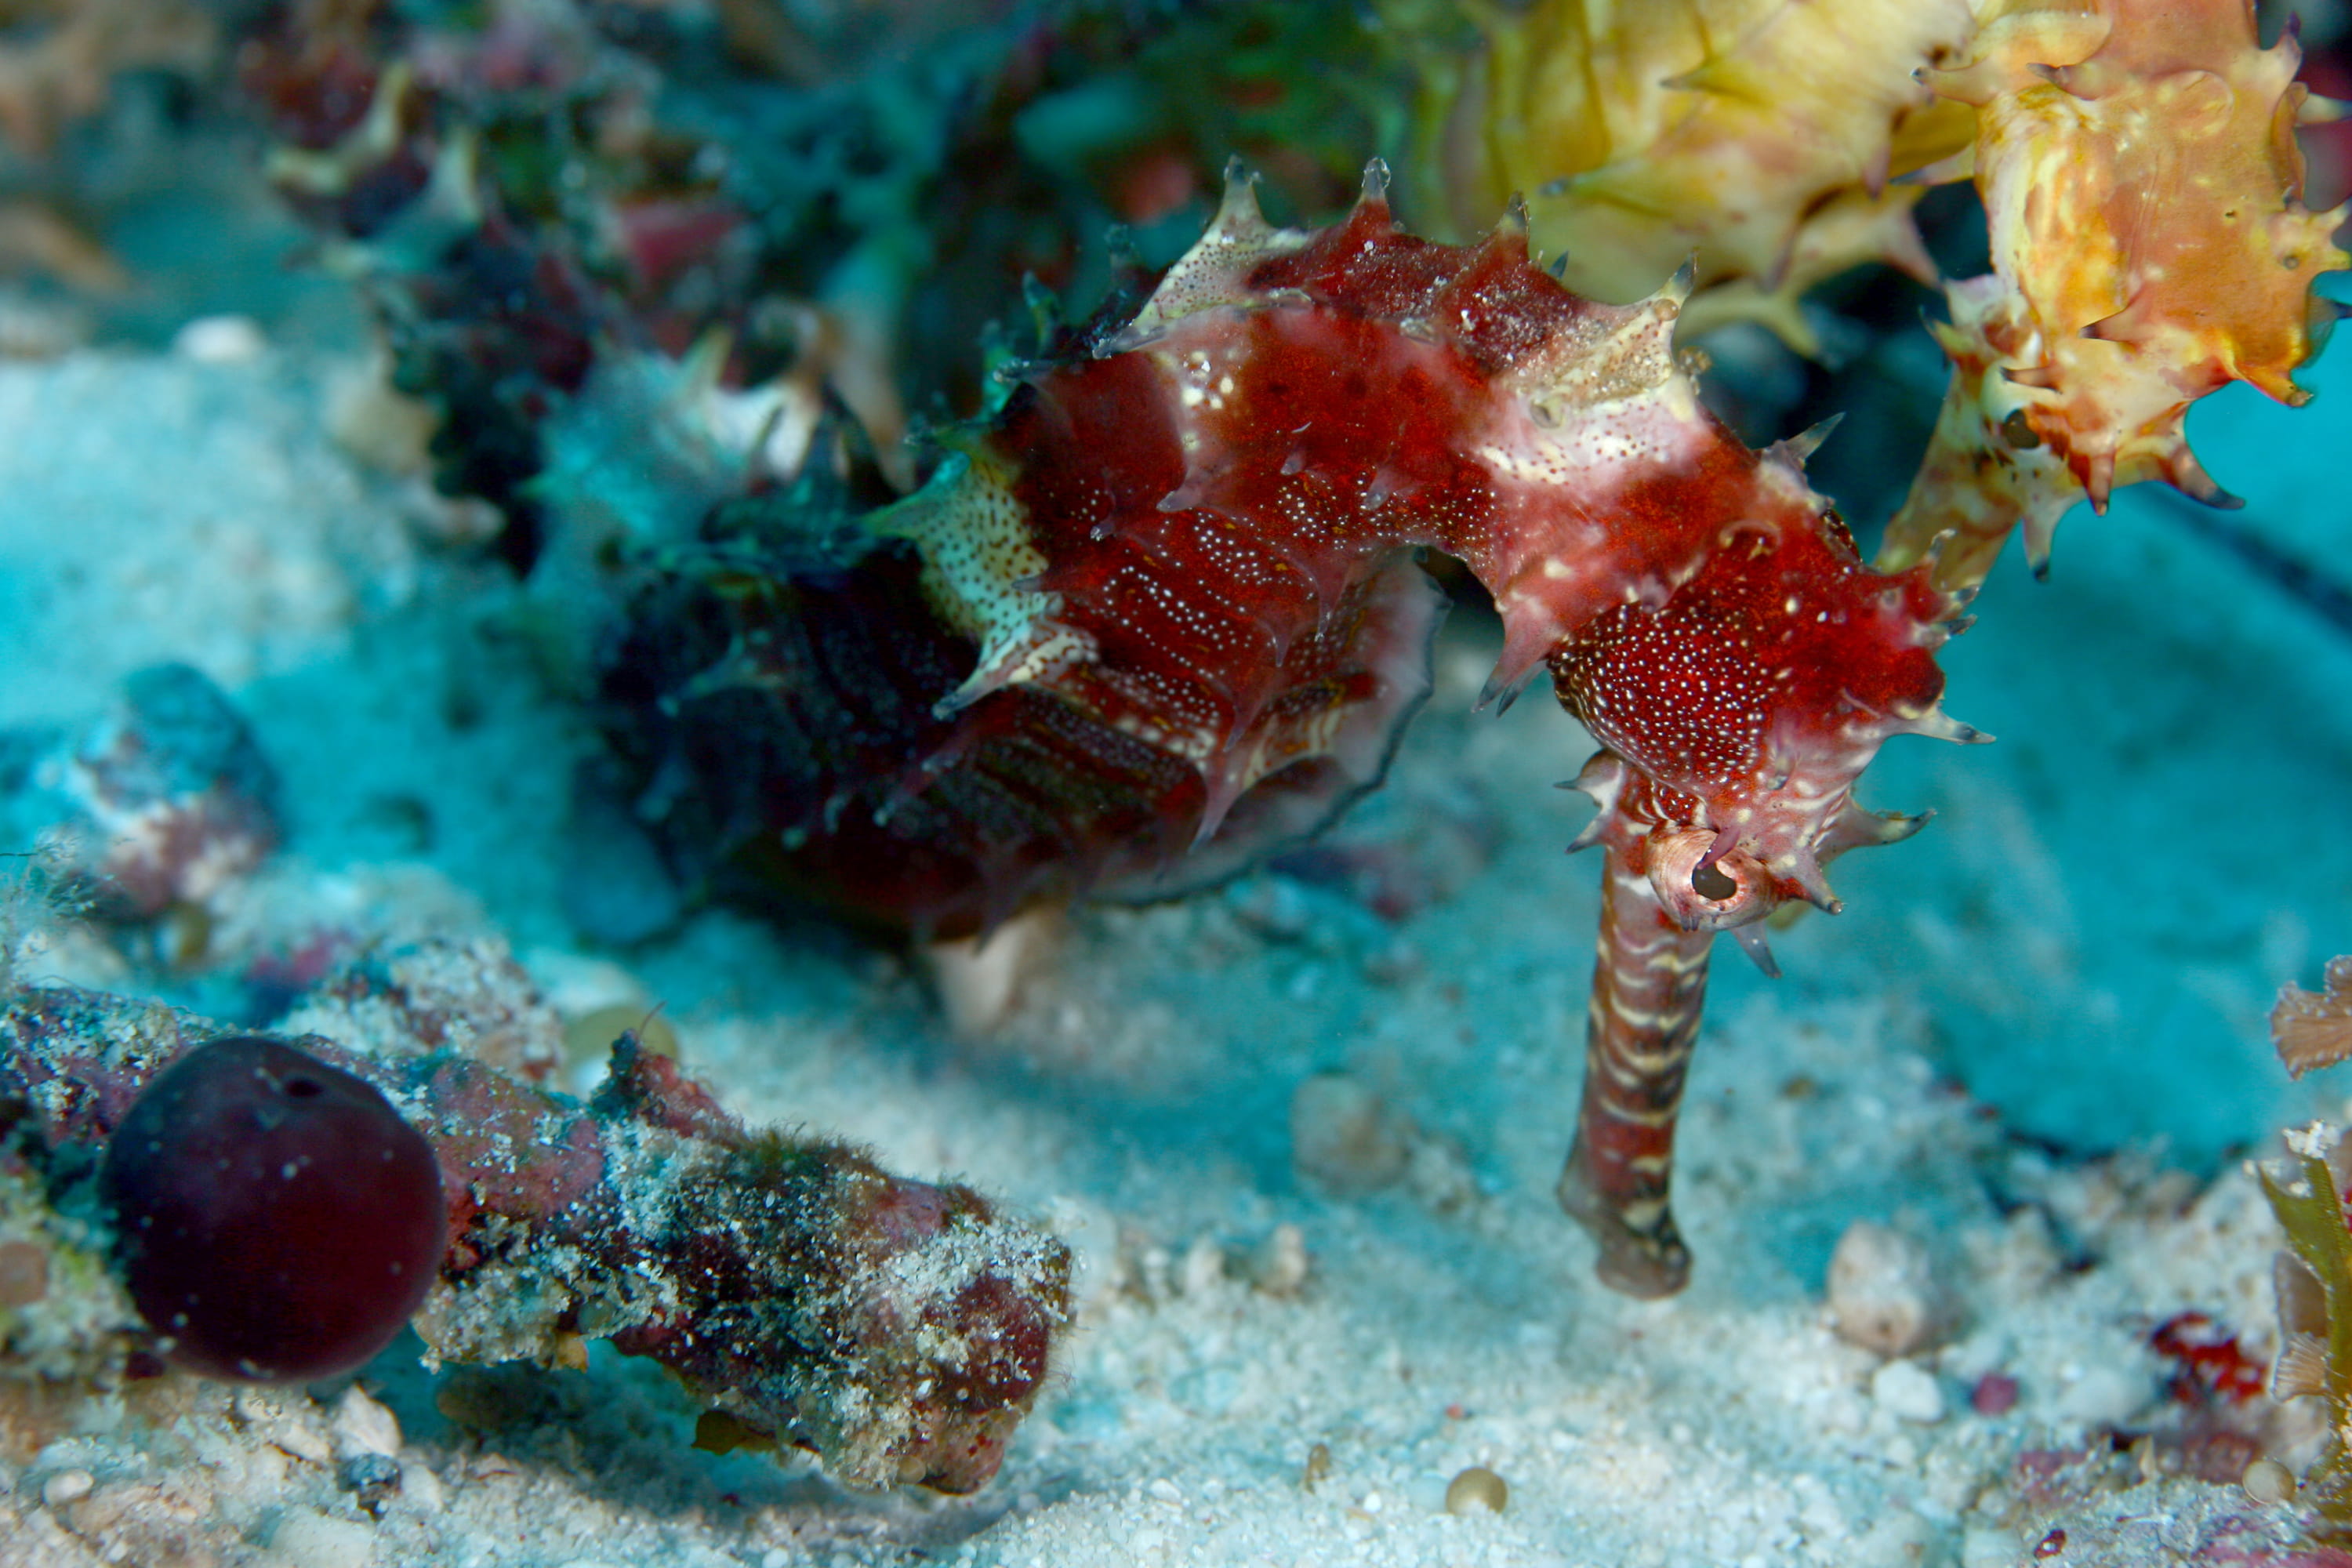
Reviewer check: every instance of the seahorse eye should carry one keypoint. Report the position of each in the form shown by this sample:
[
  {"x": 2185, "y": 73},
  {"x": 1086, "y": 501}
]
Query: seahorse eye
[
  {"x": 1700, "y": 892},
  {"x": 1708, "y": 882}
]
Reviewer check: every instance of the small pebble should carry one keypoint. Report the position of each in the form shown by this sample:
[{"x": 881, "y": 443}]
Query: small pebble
[
  {"x": 1884, "y": 1292},
  {"x": 372, "y": 1480},
  {"x": 980, "y": 982},
  {"x": 1282, "y": 1262},
  {"x": 1995, "y": 1393},
  {"x": 1909, "y": 1392},
  {"x": 385, "y": 428},
  {"x": 256, "y": 1406},
  {"x": 2268, "y": 1482},
  {"x": 1153, "y": 1273},
  {"x": 421, "y": 1488},
  {"x": 360, "y": 1425},
  {"x": 1477, "y": 1491},
  {"x": 220, "y": 340},
  {"x": 301, "y": 1439},
  {"x": 1438, "y": 1173},
  {"x": 1203, "y": 1269},
  {"x": 1344, "y": 1138},
  {"x": 65, "y": 1486}
]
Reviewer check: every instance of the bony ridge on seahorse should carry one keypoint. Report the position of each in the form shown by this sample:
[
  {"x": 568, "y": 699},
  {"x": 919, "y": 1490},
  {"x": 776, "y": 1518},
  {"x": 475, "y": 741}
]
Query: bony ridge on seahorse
[{"x": 1162, "y": 612}]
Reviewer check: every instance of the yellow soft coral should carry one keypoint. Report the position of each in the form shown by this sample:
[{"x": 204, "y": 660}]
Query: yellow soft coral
[
  {"x": 2140, "y": 174},
  {"x": 1759, "y": 133}
]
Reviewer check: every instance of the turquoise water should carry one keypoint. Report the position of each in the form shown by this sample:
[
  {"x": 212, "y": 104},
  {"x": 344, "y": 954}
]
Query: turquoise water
[{"x": 2102, "y": 913}]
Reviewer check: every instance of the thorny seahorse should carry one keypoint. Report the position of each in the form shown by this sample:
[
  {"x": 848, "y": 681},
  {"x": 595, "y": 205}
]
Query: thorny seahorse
[
  {"x": 1160, "y": 613},
  {"x": 1163, "y": 611}
]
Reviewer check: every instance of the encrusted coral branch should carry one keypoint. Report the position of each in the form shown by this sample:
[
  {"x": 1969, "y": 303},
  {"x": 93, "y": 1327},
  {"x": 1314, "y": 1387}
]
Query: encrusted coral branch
[
  {"x": 899, "y": 1329},
  {"x": 2140, "y": 173}
]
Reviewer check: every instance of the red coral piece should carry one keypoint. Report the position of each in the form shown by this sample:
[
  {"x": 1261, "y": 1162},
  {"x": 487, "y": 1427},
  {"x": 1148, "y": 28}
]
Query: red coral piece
[
  {"x": 1995, "y": 1393},
  {"x": 2208, "y": 1363}
]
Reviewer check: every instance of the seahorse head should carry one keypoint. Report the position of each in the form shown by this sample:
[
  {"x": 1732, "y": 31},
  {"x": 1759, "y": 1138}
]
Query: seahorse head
[{"x": 1738, "y": 711}]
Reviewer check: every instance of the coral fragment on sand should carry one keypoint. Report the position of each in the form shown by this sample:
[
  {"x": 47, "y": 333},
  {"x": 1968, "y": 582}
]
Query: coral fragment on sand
[
  {"x": 163, "y": 803},
  {"x": 898, "y": 1329}
]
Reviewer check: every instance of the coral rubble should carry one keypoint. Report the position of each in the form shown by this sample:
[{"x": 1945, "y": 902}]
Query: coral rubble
[{"x": 898, "y": 1329}]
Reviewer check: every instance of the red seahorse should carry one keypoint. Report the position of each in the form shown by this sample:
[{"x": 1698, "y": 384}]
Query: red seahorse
[{"x": 1163, "y": 611}]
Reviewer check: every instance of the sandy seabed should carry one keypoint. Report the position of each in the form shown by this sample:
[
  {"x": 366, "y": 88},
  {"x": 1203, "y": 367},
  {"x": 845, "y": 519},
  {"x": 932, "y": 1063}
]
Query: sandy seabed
[{"x": 2034, "y": 1043}]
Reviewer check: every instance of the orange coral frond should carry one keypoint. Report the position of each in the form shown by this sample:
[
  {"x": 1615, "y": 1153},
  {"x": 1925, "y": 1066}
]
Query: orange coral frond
[{"x": 2149, "y": 246}]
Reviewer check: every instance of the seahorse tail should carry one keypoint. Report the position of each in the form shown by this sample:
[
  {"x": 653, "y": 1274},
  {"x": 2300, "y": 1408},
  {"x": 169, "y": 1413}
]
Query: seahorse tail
[{"x": 1649, "y": 984}]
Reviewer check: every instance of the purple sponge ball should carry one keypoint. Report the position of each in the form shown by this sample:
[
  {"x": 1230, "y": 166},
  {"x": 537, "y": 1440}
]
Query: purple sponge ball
[{"x": 277, "y": 1220}]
